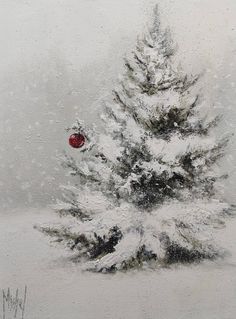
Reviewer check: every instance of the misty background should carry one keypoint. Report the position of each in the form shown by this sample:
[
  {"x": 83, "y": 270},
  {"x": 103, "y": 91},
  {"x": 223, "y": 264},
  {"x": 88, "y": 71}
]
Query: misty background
[{"x": 58, "y": 57}]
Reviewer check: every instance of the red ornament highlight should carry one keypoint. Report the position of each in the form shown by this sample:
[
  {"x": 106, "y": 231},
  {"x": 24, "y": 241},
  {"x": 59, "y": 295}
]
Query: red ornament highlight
[{"x": 76, "y": 140}]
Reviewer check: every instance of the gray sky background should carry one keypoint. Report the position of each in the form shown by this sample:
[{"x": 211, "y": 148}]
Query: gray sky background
[{"x": 58, "y": 57}]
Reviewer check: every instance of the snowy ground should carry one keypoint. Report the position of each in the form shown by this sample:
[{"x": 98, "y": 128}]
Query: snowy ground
[{"x": 57, "y": 289}]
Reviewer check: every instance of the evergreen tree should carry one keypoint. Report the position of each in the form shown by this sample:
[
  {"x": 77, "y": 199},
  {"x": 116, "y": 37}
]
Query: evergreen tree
[{"x": 145, "y": 186}]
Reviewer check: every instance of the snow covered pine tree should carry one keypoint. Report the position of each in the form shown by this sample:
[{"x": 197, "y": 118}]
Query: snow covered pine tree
[{"x": 146, "y": 190}]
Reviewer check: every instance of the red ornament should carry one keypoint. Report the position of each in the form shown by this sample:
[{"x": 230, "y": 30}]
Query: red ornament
[{"x": 76, "y": 140}]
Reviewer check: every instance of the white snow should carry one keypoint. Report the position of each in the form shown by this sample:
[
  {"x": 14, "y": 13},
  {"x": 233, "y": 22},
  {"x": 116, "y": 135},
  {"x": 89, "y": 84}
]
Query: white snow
[
  {"x": 171, "y": 150},
  {"x": 109, "y": 147},
  {"x": 90, "y": 202},
  {"x": 165, "y": 99},
  {"x": 58, "y": 289}
]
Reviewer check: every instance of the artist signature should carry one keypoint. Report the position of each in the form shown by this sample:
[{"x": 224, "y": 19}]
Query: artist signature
[{"x": 13, "y": 305}]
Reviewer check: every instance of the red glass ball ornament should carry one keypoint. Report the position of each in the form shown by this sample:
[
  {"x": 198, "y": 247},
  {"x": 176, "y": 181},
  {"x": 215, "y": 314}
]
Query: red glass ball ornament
[{"x": 76, "y": 140}]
